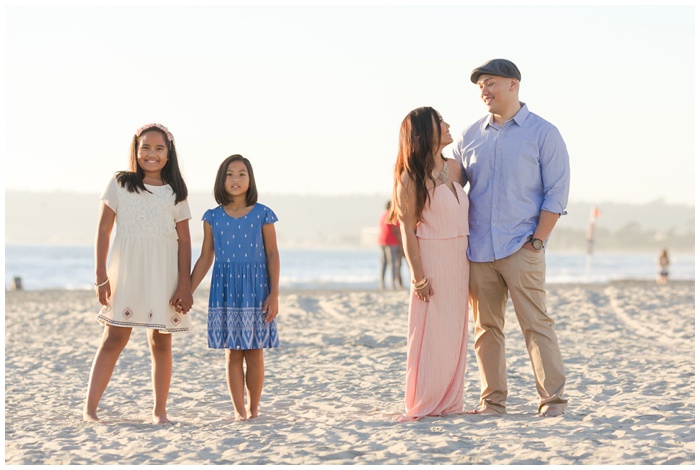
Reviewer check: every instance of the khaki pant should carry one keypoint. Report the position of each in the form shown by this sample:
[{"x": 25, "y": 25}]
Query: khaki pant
[{"x": 523, "y": 275}]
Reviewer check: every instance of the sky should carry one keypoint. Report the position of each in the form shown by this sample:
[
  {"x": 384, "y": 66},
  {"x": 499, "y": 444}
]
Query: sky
[{"x": 314, "y": 95}]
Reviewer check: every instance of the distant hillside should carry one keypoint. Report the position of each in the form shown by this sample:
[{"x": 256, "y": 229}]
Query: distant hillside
[{"x": 70, "y": 218}]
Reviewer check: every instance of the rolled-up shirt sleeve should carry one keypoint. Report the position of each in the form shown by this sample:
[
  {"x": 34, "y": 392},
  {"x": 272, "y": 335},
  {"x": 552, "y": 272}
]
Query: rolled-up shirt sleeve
[{"x": 555, "y": 172}]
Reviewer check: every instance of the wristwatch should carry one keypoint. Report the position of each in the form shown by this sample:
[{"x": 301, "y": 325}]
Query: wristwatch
[{"x": 536, "y": 243}]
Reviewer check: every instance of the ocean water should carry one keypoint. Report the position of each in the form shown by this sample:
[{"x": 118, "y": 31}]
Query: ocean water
[{"x": 71, "y": 267}]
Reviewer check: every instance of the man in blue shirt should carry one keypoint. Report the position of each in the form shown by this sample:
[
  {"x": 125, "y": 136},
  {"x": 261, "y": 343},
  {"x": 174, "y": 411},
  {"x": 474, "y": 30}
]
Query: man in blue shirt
[{"x": 517, "y": 168}]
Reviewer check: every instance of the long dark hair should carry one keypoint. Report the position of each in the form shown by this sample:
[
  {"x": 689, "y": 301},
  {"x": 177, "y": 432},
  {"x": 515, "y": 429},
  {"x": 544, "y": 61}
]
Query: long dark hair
[
  {"x": 220, "y": 194},
  {"x": 415, "y": 157},
  {"x": 132, "y": 180}
]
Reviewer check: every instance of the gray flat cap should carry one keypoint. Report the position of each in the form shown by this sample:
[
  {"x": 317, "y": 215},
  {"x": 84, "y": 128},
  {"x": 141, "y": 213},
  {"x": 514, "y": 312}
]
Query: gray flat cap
[{"x": 499, "y": 67}]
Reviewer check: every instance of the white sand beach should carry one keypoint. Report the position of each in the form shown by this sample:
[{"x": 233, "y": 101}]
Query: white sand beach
[{"x": 332, "y": 387}]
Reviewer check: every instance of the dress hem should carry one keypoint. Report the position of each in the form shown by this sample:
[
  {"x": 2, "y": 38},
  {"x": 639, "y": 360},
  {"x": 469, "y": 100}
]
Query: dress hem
[
  {"x": 243, "y": 349},
  {"x": 150, "y": 326}
]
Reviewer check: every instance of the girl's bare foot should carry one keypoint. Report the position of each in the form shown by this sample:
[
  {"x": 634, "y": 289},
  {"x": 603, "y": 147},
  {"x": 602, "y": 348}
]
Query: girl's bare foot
[
  {"x": 252, "y": 414},
  {"x": 163, "y": 419},
  {"x": 91, "y": 417},
  {"x": 241, "y": 417}
]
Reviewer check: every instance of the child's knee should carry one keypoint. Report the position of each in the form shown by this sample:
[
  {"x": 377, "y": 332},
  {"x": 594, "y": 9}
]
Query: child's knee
[
  {"x": 113, "y": 345},
  {"x": 115, "y": 338},
  {"x": 159, "y": 342},
  {"x": 254, "y": 356},
  {"x": 234, "y": 356}
]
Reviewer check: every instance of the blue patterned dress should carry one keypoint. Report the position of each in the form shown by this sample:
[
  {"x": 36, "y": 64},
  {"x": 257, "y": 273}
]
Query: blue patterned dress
[{"x": 239, "y": 281}]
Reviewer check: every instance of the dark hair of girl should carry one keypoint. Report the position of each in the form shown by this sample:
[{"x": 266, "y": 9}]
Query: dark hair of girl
[
  {"x": 132, "y": 180},
  {"x": 222, "y": 197},
  {"x": 415, "y": 158}
]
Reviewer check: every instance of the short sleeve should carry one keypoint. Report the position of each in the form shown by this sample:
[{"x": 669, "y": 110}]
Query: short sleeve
[
  {"x": 182, "y": 211},
  {"x": 208, "y": 217},
  {"x": 110, "y": 195},
  {"x": 269, "y": 217}
]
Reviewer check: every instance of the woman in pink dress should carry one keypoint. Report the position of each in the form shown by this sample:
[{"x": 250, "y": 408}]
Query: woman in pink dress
[{"x": 432, "y": 208}]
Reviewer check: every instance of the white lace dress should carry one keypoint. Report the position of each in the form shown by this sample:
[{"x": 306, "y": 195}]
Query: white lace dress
[{"x": 143, "y": 264}]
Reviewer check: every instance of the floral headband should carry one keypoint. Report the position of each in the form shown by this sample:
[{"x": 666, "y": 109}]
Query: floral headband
[{"x": 161, "y": 127}]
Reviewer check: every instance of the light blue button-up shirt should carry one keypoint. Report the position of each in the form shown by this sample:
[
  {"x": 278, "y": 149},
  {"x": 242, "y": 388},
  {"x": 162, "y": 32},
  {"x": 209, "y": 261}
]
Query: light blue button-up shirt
[{"x": 514, "y": 171}]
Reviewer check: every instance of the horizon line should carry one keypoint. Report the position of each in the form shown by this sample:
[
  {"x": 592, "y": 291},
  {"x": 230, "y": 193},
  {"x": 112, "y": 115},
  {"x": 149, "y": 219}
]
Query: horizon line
[{"x": 344, "y": 194}]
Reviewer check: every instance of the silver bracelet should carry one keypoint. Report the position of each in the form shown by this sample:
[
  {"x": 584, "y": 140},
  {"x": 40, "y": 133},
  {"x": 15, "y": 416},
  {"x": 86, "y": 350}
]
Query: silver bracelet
[{"x": 100, "y": 285}]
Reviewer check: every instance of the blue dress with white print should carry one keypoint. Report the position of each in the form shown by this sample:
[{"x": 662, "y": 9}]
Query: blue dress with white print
[{"x": 239, "y": 281}]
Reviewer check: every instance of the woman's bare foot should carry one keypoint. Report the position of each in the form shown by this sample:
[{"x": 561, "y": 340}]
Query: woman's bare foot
[
  {"x": 163, "y": 419},
  {"x": 241, "y": 417},
  {"x": 252, "y": 414}
]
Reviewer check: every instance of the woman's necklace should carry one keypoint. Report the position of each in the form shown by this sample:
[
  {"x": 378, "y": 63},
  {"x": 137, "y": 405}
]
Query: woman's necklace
[{"x": 444, "y": 174}]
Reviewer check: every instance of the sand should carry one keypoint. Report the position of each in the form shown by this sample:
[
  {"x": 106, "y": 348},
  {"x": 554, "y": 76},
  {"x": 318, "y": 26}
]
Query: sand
[{"x": 332, "y": 387}]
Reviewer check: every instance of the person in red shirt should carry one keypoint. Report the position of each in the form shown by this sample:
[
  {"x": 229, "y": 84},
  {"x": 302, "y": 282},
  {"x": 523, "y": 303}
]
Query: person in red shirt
[{"x": 390, "y": 250}]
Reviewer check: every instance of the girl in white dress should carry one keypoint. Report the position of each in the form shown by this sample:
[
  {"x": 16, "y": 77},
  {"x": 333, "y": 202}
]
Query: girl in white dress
[{"x": 147, "y": 284}]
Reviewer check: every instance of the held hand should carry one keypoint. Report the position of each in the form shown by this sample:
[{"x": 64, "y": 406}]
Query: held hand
[
  {"x": 104, "y": 293},
  {"x": 182, "y": 300},
  {"x": 179, "y": 306},
  {"x": 270, "y": 307}
]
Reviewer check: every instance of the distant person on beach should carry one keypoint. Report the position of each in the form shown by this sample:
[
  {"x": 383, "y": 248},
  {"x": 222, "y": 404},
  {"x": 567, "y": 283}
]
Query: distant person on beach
[
  {"x": 147, "y": 284},
  {"x": 389, "y": 250},
  {"x": 663, "y": 263},
  {"x": 517, "y": 167},
  {"x": 431, "y": 206},
  {"x": 240, "y": 239}
]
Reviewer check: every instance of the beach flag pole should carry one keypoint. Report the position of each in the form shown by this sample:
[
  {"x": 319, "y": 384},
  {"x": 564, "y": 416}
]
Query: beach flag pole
[{"x": 590, "y": 239}]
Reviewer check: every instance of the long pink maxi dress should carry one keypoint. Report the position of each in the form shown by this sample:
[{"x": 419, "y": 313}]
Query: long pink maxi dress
[{"x": 437, "y": 329}]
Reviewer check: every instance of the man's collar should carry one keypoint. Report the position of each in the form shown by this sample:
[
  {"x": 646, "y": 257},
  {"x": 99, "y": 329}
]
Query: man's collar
[{"x": 519, "y": 117}]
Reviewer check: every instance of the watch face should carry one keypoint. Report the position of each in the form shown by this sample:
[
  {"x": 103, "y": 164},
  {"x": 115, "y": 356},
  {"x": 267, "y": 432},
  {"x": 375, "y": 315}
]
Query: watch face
[{"x": 536, "y": 243}]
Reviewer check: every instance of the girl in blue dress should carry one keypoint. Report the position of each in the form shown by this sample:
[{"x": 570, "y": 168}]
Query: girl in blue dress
[{"x": 239, "y": 238}]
